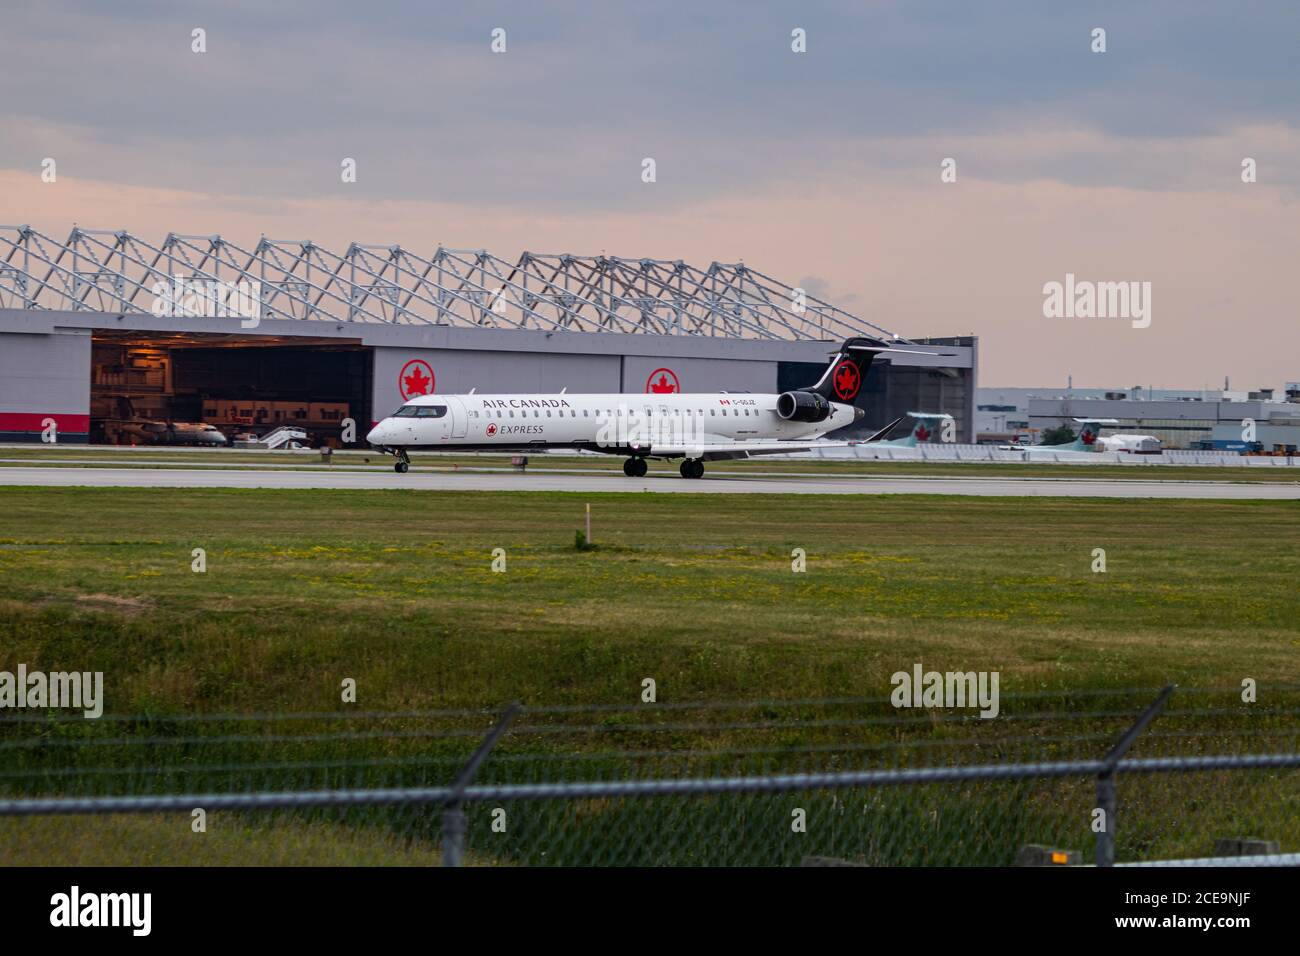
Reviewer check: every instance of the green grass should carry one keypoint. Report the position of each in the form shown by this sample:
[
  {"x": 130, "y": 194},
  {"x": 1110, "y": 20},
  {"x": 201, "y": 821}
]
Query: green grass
[
  {"x": 395, "y": 589},
  {"x": 230, "y": 840}
]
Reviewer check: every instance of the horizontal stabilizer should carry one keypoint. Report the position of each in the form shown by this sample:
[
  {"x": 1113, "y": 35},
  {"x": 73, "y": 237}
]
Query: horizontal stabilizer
[{"x": 887, "y": 349}]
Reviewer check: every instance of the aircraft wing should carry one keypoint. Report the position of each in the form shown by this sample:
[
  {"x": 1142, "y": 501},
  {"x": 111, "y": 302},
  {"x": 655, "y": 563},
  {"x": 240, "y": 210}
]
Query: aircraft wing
[
  {"x": 878, "y": 436},
  {"x": 732, "y": 450}
]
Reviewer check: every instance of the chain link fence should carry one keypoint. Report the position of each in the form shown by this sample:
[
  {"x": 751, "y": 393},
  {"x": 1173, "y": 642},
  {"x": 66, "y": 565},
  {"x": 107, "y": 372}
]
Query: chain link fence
[{"x": 1125, "y": 776}]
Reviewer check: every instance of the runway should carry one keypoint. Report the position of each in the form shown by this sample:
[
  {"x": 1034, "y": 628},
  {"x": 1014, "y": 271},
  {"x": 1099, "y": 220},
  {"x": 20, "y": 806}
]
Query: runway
[{"x": 590, "y": 483}]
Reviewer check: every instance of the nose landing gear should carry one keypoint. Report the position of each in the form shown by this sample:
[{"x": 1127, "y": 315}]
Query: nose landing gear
[
  {"x": 403, "y": 461},
  {"x": 692, "y": 468},
  {"x": 635, "y": 467}
]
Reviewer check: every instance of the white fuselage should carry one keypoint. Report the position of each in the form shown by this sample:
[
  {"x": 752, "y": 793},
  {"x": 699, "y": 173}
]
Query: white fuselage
[
  {"x": 1132, "y": 444},
  {"x": 612, "y": 422}
]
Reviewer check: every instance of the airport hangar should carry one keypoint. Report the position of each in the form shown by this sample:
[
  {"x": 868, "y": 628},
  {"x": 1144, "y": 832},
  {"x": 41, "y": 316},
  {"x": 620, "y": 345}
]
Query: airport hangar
[{"x": 84, "y": 341}]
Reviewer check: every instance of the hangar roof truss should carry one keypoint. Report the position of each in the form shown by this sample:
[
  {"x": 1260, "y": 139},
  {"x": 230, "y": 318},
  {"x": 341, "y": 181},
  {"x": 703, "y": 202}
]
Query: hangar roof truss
[{"x": 117, "y": 272}]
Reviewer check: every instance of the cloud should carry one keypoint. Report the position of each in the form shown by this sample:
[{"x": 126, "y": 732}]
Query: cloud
[
  {"x": 825, "y": 165},
  {"x": 584, "y": 93},
  {"x": 921, "y": 259}
]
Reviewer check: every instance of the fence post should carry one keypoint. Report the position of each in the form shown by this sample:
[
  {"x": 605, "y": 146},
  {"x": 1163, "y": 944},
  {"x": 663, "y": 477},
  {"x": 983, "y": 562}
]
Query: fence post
[
  {"x": 1107, "y": 795},
  {"x": 453, "y": 813}
]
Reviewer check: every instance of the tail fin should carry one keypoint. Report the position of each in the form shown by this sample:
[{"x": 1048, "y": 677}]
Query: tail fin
[
  {"x": 847, "y": 372},
  {"x": 927, "y": 423},
  {"x": 925, "y": 428},
  {"x": 1089, "y": 432}
]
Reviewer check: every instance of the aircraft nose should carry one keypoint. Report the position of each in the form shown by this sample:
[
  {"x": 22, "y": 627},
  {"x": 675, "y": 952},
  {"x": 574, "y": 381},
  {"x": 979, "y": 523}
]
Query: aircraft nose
[
  {"x": 859, "y": 414},
  {"x": 376, "y": 436}
]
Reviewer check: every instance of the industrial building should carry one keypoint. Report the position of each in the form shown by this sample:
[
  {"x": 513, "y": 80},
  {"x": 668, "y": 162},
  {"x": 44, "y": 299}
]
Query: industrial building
[
  {"x": 105, "y": 326},
  {"x": 1180, "y": 419}
]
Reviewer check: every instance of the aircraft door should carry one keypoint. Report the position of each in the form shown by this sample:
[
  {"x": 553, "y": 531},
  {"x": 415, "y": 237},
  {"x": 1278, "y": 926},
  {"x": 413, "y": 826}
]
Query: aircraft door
[{"x": 459, "y": 417}]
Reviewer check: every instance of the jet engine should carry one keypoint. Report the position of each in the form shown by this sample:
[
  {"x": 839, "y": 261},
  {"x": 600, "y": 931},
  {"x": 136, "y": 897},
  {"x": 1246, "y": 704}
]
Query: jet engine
[{"x": 802, "y": 407}]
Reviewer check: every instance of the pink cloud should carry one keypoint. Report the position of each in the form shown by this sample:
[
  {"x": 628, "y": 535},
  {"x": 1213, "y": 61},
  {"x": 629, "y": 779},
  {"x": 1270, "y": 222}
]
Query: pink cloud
[{"x": 920, "y": 257}]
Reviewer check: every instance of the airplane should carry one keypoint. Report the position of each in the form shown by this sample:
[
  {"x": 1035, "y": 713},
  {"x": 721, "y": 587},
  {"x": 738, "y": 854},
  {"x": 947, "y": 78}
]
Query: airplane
[
  {"x": 922, "y": 431},
  {"x": 173, "y": 433},
  {"x": 695, "y": 427},
  {"x": 130, "y": 427},
  {"x": 1088, "y": 441},
  {"x": 1131, "y": 444}
]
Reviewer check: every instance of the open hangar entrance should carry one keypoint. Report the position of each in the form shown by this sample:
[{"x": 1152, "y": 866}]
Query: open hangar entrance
[{"x": 238, "y": 383}]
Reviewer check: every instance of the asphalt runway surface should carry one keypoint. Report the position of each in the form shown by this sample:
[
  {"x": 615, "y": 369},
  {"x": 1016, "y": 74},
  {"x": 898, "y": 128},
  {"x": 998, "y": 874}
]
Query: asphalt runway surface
[{"x": 592, "y": 483}]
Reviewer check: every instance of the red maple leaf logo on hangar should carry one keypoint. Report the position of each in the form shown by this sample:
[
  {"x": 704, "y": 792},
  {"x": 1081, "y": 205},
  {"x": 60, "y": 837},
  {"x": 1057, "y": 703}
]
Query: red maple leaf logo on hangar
[
  {"x": 846, "y": 380},
  {"x": 665, "y": 384},
  {"x": 416, "y": 378}
]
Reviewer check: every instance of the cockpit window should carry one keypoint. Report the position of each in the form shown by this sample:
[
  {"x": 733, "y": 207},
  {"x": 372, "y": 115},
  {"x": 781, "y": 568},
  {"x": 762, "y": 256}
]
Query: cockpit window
[{"x": 421, "y": 411}]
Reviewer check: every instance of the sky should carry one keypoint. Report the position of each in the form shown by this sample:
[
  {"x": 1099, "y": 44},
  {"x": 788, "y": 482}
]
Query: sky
[{"x": 823, "y": 168}]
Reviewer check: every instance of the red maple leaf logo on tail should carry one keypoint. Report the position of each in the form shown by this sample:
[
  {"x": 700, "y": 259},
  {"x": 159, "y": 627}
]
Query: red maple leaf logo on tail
[
  {"x": 846, "y": 380},
  {"x": 922, "y": 433},
  {"x": 1087, "y": 437}
]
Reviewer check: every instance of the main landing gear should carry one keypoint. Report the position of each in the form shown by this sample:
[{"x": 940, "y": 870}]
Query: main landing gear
[
  {"x": 635, "y": 467},
  {"x": 403, "y": 461},
  {"x": 692, "y": 468}
]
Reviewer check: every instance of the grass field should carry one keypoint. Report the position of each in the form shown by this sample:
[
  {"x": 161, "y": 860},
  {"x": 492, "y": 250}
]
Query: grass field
[{"x": 396, "y": 590}]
